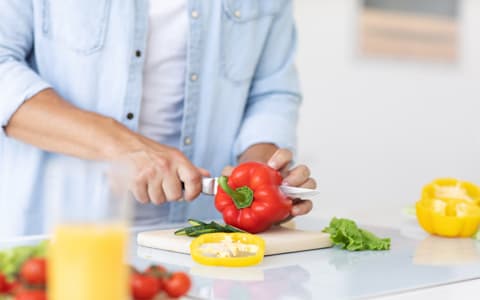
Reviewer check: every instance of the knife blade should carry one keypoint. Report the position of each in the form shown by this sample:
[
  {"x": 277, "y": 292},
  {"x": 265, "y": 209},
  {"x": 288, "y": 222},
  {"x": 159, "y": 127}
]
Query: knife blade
[{"x": 210, "y": 186}]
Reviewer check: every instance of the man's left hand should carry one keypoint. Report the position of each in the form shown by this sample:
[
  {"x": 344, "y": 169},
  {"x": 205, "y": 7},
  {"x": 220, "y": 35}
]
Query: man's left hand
[
  {"x": 281, "y": 159},
  {"x": 298, "y": 176}
]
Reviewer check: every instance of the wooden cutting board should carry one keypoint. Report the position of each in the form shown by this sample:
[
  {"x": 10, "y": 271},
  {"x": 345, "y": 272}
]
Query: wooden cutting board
[{"x": 277, "y": 240}]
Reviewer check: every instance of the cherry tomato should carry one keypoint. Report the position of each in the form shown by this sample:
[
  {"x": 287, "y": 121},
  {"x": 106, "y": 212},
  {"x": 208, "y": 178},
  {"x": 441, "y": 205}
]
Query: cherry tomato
[
  {"x": 31, "y": 295},
  {"x": 177, "y": 285},
  {"x": 34, "y": 271},
  {"x": 3, "y": 283},
  {"x": 144, "y": 287},
  {"x": 15, "y": 287},
  {"x": 158, "y": 272}
]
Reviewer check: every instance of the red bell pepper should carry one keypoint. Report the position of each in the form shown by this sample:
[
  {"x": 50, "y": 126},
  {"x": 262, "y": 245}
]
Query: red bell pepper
[{"x": 250, "y": 199}]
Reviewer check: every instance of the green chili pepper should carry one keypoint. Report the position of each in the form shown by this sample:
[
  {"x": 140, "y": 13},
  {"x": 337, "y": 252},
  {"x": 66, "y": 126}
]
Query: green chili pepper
[{"x": 198, "y": 228}]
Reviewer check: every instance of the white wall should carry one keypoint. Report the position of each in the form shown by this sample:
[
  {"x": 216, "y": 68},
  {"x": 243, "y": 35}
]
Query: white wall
[{"x": 375, "y": 131}]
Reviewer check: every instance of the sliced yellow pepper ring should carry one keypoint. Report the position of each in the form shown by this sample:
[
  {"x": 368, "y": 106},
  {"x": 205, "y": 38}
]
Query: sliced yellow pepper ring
[
  {"x": 450, "y": 208},
  {"x": 228, "y": 249}
]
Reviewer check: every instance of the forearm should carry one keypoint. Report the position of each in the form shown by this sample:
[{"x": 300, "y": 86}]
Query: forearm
[{"x": 51, "y": 123}]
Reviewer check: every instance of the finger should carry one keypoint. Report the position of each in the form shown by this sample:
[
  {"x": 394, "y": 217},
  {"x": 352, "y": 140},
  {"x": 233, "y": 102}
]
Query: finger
[
  {"x": 227, "y": 171},
  {"x": 192, "y": 180},
  {"x": 139, "y": 186},
  {"x": 155, "y": 192},
  {"x": 309, "y": 184},
  {"x": 297, "y": 176},
  {"x": 172, "y": 187},
  {"x": 284, "y": 171},
  {"x": 139, "y": 189},
  {"x": 280, "y": 159},
  {"x": 155, "y": 189},
  {"x": 204, "y": 172},
  {"x": 302, "y": 207}
]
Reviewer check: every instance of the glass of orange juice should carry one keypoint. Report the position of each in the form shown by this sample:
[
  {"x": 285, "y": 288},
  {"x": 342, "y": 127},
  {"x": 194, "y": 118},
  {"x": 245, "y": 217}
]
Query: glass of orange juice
[{"x": 88, "y": 249}]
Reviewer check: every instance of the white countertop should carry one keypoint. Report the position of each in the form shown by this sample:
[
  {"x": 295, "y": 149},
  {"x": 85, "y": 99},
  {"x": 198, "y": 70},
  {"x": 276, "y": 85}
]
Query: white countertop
[{"x": 418, "y": 266}]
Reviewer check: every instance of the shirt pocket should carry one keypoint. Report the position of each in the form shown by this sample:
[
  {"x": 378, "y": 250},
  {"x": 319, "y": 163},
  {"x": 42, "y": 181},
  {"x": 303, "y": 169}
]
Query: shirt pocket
[
  {"x": 245, "y": 27},
  {"x": 77, "y": 25}
]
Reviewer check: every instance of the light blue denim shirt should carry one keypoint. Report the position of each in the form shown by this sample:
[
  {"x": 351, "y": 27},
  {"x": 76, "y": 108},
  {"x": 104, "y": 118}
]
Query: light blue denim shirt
[{"x": 241, "y": 88}]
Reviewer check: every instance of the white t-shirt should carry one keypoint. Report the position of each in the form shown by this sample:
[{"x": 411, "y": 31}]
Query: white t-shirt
[
  {"x": 163, "y": 86},
  {"x": 164, "y": 72}
]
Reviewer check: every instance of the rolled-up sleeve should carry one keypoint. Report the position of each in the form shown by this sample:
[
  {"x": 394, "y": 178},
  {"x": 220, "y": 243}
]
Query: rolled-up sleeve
[
  {"x": 271, "y": 114},
  {"x": 18, "y": 82}
]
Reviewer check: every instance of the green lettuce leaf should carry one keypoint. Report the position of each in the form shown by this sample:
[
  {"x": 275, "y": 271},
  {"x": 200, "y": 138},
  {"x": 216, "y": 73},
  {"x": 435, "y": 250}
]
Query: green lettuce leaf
[
  {"x": 346, "y": 234},
  {"x": 11, "y": 260}
]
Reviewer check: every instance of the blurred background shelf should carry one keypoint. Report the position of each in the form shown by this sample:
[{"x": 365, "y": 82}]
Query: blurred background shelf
[{"x": 399, "y": 34}]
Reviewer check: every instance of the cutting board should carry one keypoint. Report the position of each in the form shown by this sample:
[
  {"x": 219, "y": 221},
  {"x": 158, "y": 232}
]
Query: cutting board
[{"x": 277, "y": 240}]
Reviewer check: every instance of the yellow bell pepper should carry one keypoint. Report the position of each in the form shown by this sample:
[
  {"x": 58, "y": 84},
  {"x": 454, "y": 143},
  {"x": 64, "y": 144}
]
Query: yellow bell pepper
[
  {"x": 450, "y": 208},
  {"x": 452, "y": 189},
  {"x": 228, "y": 249}
]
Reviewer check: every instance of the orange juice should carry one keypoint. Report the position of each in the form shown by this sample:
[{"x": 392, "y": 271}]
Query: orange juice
[{"x": 88, "y": 262}]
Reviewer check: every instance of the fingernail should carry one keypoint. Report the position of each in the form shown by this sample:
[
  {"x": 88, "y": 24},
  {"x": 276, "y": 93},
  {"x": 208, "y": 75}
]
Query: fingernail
[
  {"x": 284, "y": 182},
  {"x": 295, "y": 211},
  {"x": 272, "y": 164}
]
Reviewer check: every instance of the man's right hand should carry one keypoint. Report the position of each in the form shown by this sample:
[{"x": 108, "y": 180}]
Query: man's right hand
[{"x": 159, "y": 172}]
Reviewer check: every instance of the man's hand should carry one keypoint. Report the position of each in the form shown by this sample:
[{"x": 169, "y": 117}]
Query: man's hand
[
  {"x": 298, "y": 176},
  {"x": 160, "y": 171},
  {"x": 281, "y": 159}
]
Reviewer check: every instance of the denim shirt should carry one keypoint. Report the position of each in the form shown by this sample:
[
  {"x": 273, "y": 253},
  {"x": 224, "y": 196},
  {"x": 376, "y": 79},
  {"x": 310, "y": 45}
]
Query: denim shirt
[{"x": 241, "y": 87}]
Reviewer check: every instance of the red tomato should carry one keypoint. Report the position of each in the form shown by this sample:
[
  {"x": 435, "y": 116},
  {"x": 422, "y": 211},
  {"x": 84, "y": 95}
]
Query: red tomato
[
  {"x": 31, "y": 295},
  {"x": 3, "y": 283},
  {"x": 177, "y": 285},
  {"x": 144, "y": 287},
  {"x": 158, "y": 272},
  {"x": 15, "y": 287},
  {"x": 34, "y": 271}
]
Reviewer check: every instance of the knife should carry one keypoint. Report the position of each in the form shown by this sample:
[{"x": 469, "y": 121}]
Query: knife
[{"x": 210, "y": 186}]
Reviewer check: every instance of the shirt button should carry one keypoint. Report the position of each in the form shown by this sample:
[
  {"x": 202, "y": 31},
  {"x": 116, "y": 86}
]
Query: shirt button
[
  {"x": 138, "y": 53},
  {"x": 195, "y": 14},
  {"x": 187, "y": 141},
  {"x": 194, "y": 77},
  {"x": 130, "y": 116},
  {"x": 237, "y": 14}
]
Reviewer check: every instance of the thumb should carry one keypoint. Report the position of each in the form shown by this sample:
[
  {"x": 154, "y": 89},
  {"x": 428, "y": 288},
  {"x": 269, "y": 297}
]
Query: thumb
[
  {"x": 280, "y": 159},
  {"x": 205, "y": 173}
]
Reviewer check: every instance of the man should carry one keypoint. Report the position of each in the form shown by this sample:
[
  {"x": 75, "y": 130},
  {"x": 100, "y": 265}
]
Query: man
[{"x": 175, "y": 87}]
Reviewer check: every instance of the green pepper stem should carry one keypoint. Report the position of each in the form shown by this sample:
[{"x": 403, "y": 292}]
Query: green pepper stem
[{"x": 242, "y": 197}]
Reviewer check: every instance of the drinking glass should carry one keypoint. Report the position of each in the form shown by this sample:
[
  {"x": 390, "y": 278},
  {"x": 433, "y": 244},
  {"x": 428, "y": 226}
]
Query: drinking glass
[{"x": 89, "y": 222}]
